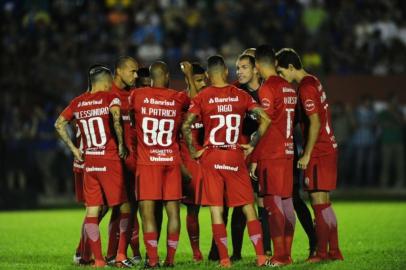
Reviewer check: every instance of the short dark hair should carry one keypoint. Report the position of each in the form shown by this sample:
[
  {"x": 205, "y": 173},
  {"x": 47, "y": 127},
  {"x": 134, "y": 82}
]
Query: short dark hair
[
  {"x": 249, "y": 57},
  {"x": 120, "y": 62},
  {"x": 215, "y": 61},
  {"x": 97, "y": 72},
  {"x": 288, "y": 56},
  {"x": 143, "y": 72},
  {"x": 265, "y": 53},
  {"x": 197, "y": 69}
]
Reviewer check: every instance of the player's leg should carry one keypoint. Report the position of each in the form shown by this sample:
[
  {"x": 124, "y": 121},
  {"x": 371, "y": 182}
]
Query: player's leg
[
  {"x": 238, "y": 223},
  {"x": 135, "y": 232},
  {"x": 150, "y": 234},
  {"x": 124, "y": 236},
  {"x": 92, "y": 231},
  {"x": 220, "y": 234},
  {"x": 193, "y": 229},
  {"x": 263, "y": 218},
  {"x": 114, "y": 235},
  {"x": 214, "y": 252},
  {"x": 305, "y": 218},
  {"x": 159, "y": 211},
  {"x": 290, "y": 222},
  {"x": 173, "y": 230}
]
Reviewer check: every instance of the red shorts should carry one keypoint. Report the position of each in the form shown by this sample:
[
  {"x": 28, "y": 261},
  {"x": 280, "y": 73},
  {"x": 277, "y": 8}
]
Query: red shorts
[
  {"x": 103, "y": 182},
  {"x": 190, "y": 188},
  {"x": 225, "y": 179},
  {"x": 276, "y": 177},
  {"x": 321, "y": 173},
  {"x": 79, "y": 188},
  {"x": 158, "y": 182},
  {"x": 131, "y": 162}
]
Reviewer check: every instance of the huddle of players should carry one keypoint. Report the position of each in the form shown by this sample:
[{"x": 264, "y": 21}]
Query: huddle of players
[{"x": 123, "y": 132}]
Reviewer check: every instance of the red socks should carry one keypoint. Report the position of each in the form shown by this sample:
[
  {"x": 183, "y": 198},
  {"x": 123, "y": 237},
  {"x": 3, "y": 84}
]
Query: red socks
[
  {"x": 135, "y": 239},
  {"x": 114, "y": 233},
  {"x": 192, "y": 225},
  {"x": 171, "y": 246},
  {"x": 91, "y": 228},
  {"x": 124, "y": 235},
  {"x": 255, "y": 233},
  {"x": 290, "y": 222},
  {"x": 151, "y": 245},
  {"x": 322, "y": 228},
  {"x": 220, "y": 237},
  {"x": 273, "y": 204}
]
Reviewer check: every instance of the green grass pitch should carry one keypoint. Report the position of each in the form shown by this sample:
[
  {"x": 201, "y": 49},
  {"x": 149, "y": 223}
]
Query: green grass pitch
[{"x": 372, "y": 236}]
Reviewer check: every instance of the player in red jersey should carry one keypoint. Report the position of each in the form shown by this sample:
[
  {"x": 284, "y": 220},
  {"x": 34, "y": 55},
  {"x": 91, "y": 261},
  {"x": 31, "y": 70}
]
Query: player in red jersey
[
  {"x": 124, "y": 80},
  {"x": 319, "y": 159},
  {"x": 275, "y": 155},
  {"x": 103, "y": 179},
  {"x": 221, "y": 107},
  {"x": 196, "y": 80},
  {"x": 157, "y": 114}
]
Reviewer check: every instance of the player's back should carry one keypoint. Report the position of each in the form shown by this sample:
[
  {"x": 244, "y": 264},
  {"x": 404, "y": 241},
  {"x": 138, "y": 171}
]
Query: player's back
[
  {"x": 222, "y": 110},
  {"x": 314, "y": 100},
  {"x": 158, "y": 115},
  {"x": 92, "y": 114},
  {"x": 278, "y": 98}
]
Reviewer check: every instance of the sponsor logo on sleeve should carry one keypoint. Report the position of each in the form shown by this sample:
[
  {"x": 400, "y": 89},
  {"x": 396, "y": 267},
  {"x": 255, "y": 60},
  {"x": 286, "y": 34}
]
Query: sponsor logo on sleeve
[
  {"x": 115, "y": 101},
  {"x": 265, "y": 103},
  {"x": 309, "y": 105}
]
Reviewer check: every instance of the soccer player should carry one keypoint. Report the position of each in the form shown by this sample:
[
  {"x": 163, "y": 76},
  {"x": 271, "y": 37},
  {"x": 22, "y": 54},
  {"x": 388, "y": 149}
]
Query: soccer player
[
  {"x": 103, "y": 176},
  {"x": 157, "y": 113},
  {"x": 144, "y": 79},
  {"x": 222, "y": 107},
  {"x": 196, "y": 80},
  {"x": 319, "y": 158},
  {"x": 250, "y": 81},
  {"x": 275, "y": 155},
  {"x": 124, "y": 80}
]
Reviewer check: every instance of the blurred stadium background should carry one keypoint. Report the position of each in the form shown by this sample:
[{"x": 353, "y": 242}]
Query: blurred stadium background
[{"x": 356, "y": 47}]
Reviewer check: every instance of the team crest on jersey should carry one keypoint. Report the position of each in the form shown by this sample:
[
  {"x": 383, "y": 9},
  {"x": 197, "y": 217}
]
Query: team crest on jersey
[
  {"x": 211, "y": 101},
  {"x": 265, "y": 103},
  {"x": 146, "y": 100},
  {"x": 309, "y": 105}
]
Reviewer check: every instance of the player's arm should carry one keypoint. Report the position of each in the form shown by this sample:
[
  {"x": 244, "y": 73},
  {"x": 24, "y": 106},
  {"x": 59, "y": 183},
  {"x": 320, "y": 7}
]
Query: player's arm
[
  {"x": 263, "y": 123},
  {"x": 118, "y": 129},
  {"x": 187, "y": 135},
  {"x": 187, "y": 69},
  {"x": 314, "y": 130},
  {"x": 60, "y": 126}
]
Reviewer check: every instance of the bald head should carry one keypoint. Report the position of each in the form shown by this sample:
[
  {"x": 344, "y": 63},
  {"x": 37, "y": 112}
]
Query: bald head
[{"x": 159, "y": 73}]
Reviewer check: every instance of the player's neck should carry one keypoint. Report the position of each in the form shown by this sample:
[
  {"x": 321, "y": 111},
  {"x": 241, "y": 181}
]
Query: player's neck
[
  {"x": 268, "y": 72},
  {"x": 301, "y": 74},
  {"x": 93, "y": 91},
  {"x": 119, "y": 83},
  {"x": 254, "y": 84}
]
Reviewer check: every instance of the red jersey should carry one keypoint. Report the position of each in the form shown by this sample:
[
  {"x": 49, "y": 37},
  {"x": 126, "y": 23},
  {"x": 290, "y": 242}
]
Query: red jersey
[
  {"x": 222, "y": 110},
  {"x": 278, "y": 99},
  {"x": 158, "y": 116},
  {"x": 130, "y": 137},
  {"x": 92, "y": 115},
  {"x": 314, "y": 100},
  {"x": 78, "y": 165}
]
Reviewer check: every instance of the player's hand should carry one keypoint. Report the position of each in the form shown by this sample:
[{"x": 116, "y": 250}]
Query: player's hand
[
  {"x": 122, "y": 151},
  {"x": 198, "y": 154},
  {"x": 77, "y": 153},
  {"x": 253, "y": 168},
  {"x": 248, "y": 148},
  {"x": 186, "y": 67},
  {"x": 303, "y": 162}
]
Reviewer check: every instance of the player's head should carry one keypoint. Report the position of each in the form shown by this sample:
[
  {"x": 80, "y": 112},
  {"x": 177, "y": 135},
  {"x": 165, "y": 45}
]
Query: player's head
[
  {"x": 159, "y": 73},
  {"x": 245, "y": 68},
  {"x": 144, "y": 79},
  {"x": 100, "y": 78},
  {"x": 264, "y": 59},
  {"x": 216, "y": 67},
  {"x": 249, "y": 51},
  {"x": 199, "y": 76},
  {"x": 126, "y": 69},
  {"x": 288, "y": 64}
]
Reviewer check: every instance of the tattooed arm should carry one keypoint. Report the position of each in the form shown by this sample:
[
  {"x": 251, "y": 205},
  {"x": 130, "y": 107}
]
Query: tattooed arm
[
  {"x": 187, "y": 135},
  {"x": 118, "y": 129},
  {"x": 60, "y": 126}
]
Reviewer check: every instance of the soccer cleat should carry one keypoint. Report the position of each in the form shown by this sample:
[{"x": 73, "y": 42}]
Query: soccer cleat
[
  {"x": 76, "y": 258},
  {"x": 136, "y": 259},
  {"x": 335, "y": 255},
  {"x": 111, "y": 261},
  {"x": 167, "y": 264},
  {"x": 278, "y": 261},
  {"x": 225, "y": 263},
  {"x": 317, "y": 258},
  {"x": 99, "y": 263},
  {"x": 262, "y": 260},
  {"x": 124, "y": 264},
  {"x": 198, "y": 257},
  {"x": 148, "y": 266}
]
